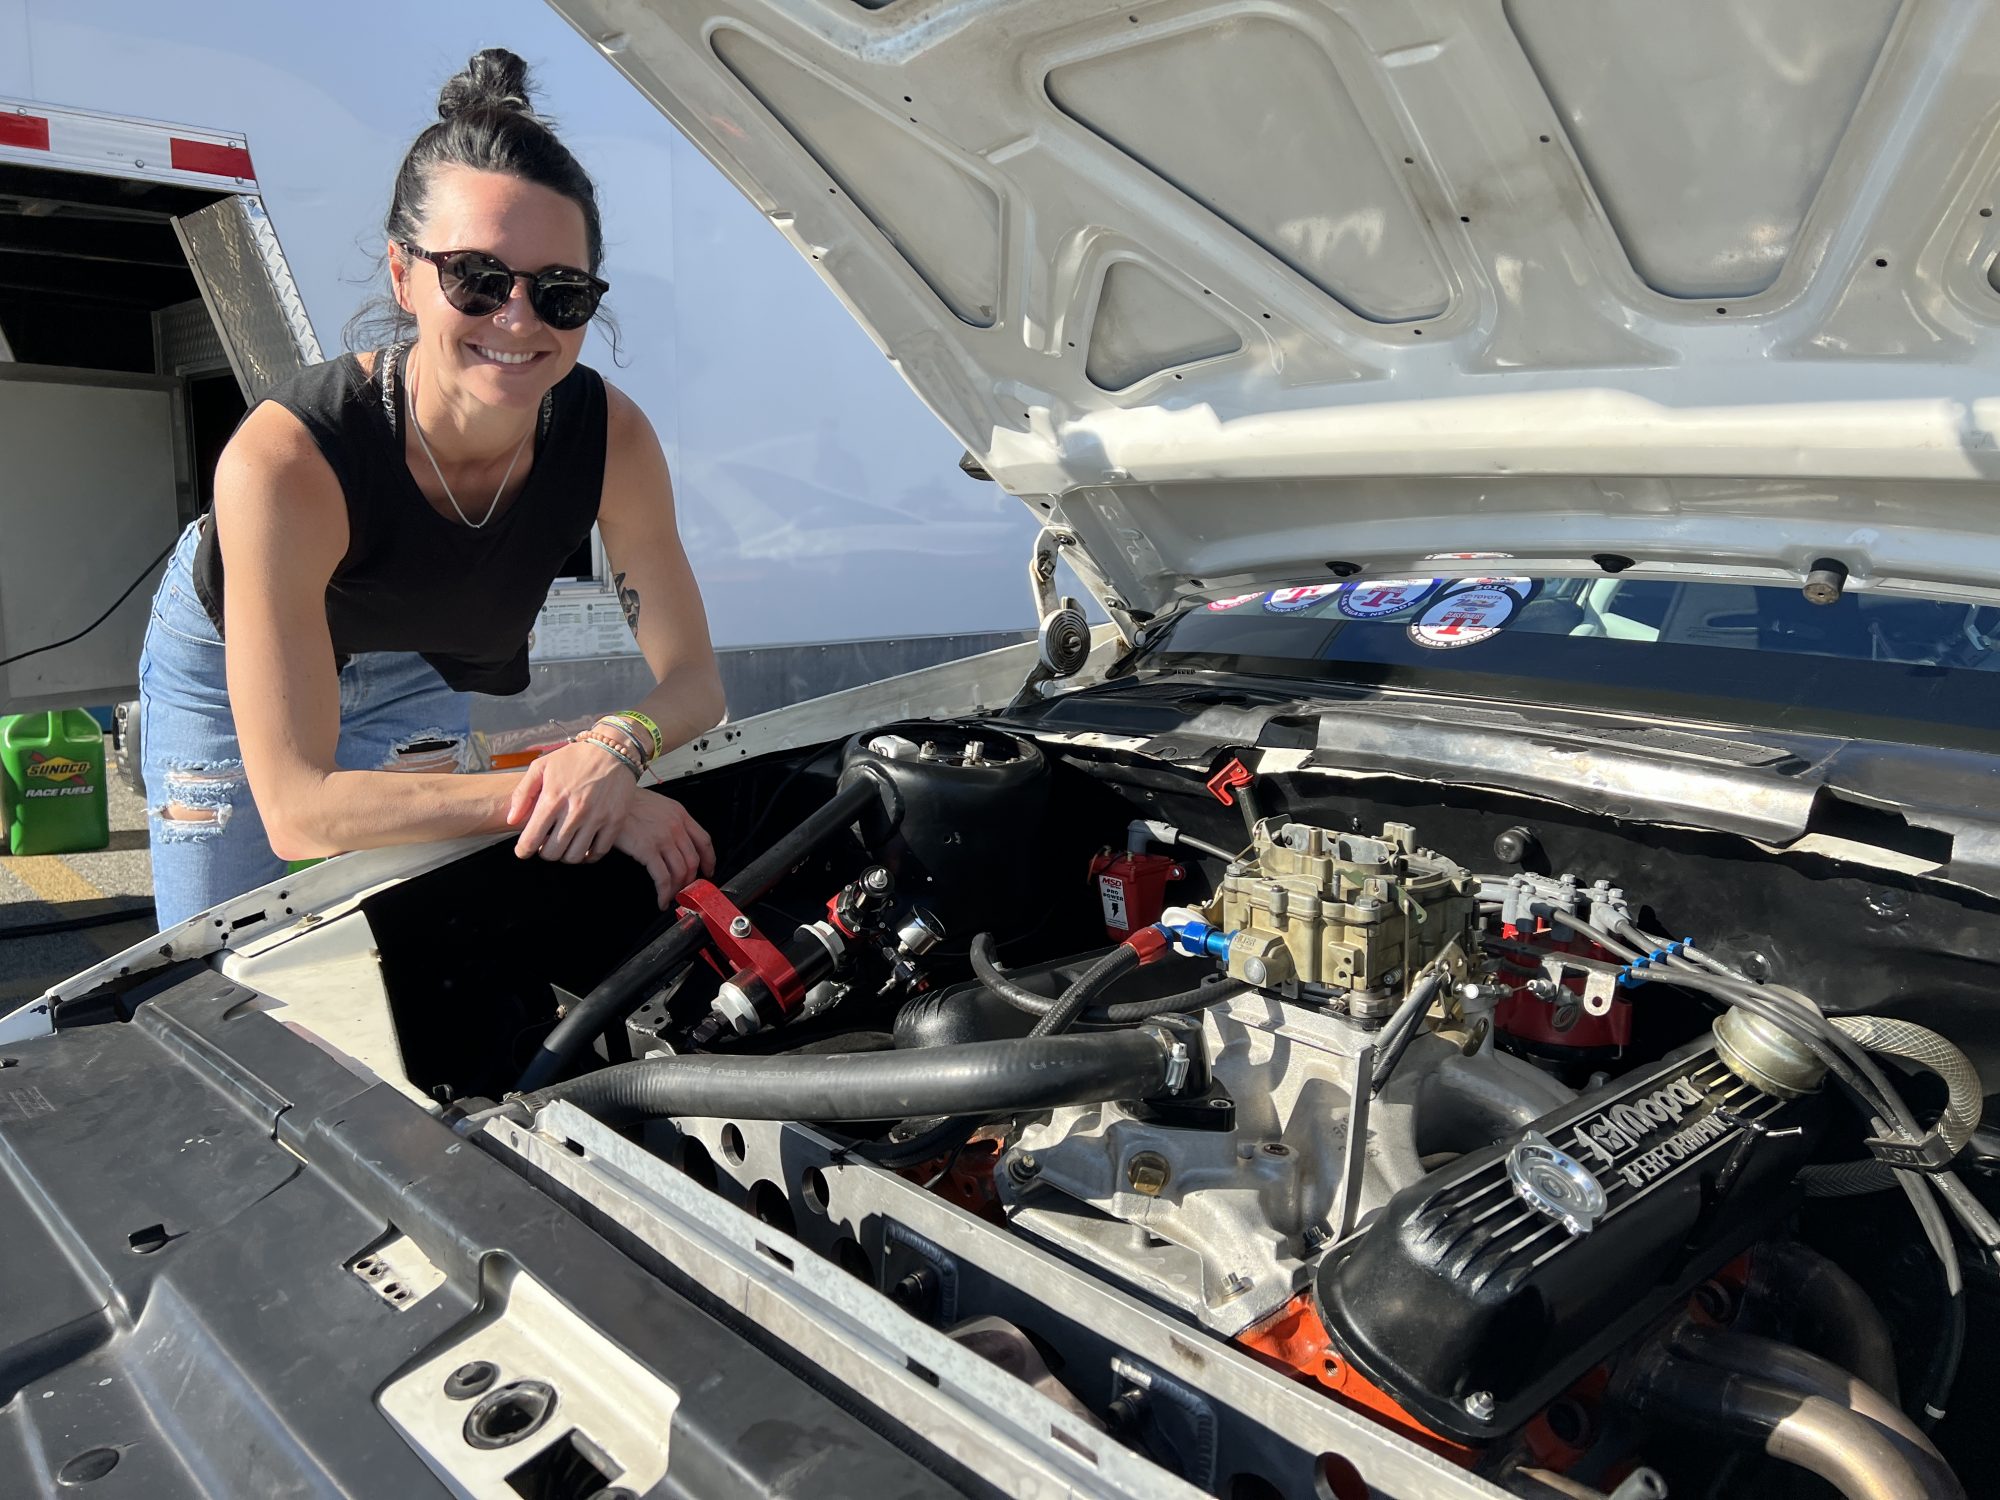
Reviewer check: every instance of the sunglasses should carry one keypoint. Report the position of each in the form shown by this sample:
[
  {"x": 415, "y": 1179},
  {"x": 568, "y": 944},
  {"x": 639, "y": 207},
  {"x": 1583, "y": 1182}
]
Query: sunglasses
[{"x": 478, "y": 285}]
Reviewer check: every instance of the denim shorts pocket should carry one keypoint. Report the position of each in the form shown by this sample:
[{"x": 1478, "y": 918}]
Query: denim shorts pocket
[{"x": 180, "y": 615}]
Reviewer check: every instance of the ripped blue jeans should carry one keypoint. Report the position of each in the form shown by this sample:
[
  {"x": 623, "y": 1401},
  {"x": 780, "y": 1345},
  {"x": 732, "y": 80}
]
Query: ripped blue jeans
[{"x": 207, "y": 837}]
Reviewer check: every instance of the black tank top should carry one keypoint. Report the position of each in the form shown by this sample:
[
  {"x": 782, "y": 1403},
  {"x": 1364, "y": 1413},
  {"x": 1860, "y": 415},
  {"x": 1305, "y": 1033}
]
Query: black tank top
[{"x": 464, "y": 599}]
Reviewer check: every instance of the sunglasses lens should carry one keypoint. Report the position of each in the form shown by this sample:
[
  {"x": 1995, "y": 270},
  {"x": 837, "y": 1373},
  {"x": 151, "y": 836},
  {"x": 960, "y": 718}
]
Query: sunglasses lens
[
  {"x": 479, "y": 285},
  {"x": 564, "y": 304},
  {"x": 475, "y": 284}
]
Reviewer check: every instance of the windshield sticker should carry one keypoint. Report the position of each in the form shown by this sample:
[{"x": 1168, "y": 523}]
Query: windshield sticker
[
  {"x": 1231, "y": 603},
  {"x": 1384, "y": 596},
  {"x": 1521, "y": 586},
  {"x": 1290, "y": 601},
  {"x": 1465, "y": 618}
]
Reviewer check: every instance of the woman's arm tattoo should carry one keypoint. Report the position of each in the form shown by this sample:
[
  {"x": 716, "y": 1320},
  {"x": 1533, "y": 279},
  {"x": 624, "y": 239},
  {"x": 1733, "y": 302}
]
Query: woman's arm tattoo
[{"x": 628, "y": 600}]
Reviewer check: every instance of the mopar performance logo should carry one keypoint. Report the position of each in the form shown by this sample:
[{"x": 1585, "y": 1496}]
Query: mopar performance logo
[{"x": 1627, "y": 1137}]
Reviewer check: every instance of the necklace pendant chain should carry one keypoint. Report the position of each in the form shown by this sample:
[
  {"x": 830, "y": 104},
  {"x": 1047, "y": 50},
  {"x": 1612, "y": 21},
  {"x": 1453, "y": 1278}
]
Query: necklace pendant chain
[{"x": 410, "y": 383}]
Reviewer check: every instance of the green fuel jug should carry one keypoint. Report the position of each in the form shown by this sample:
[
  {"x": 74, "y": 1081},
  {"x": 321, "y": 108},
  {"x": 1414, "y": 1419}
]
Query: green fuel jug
[{"x": 52, "y": 780}]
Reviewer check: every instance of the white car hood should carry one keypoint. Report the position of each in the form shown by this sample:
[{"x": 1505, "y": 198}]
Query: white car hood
[{"x": 1239, "y": 293}]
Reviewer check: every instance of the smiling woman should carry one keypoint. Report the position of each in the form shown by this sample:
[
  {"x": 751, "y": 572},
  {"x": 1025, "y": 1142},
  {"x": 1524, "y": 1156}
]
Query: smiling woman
[{"x": 389, "y": 523}]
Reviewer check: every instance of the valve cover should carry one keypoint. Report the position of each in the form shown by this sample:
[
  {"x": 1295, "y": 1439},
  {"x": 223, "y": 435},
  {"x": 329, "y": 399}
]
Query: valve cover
[{"x": 1479, "y": 1294}]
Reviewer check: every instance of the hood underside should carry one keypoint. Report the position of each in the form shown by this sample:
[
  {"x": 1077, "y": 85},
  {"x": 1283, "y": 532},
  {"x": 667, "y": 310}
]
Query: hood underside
[{"x": 1231, "y": 292}]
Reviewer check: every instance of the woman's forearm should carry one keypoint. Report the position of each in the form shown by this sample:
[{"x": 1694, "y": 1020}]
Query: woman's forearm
[
  {"x": 331, "y": 812},
  {"x": 336, "y": 811},
  {"x": 688, "y": 702}
]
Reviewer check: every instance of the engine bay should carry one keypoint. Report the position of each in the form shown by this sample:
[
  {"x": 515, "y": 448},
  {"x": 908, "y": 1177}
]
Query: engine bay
[{"x": 1423, "y": 1102}]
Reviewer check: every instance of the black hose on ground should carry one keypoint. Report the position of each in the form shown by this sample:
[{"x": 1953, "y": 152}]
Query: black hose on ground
[
  {"x": 650, "y": 967},
  {"x": 1119, "y": 1013},
  {"x": 137, "y": 911},
  {"x": 1091, "y": 983},
  {"x": 978, "y": 1078}
]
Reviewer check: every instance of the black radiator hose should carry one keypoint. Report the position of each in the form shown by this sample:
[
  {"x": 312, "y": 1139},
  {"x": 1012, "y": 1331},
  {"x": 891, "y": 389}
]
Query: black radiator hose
[
  {"x": 648, "y": 968},
  {"x": 978, "y": 1078},
  {"x": 986, "y": 967}
]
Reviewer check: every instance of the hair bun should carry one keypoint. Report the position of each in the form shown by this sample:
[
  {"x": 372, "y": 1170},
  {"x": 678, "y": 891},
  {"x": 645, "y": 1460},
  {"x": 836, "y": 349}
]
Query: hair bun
[{"x": 494, "y": 79}]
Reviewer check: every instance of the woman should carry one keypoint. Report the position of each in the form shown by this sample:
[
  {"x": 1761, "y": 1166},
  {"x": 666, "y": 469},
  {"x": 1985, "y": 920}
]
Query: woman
[{"x": 386, "y": 526}]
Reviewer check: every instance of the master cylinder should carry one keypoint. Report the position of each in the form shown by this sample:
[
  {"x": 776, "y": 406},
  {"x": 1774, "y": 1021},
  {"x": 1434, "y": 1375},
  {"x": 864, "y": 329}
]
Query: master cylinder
[{"x": 1322, "y": 915}]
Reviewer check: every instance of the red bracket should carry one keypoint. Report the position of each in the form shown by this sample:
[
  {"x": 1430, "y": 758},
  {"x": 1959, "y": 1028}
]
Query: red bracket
[
  {"x": 752, "y": 950},
  {"x": 1222, "y": 784},
  {"x": 833, "y": 916}
]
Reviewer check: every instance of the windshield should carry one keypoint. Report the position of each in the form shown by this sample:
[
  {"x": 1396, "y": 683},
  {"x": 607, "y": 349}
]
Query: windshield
[{"x": 1880, "y": 666}]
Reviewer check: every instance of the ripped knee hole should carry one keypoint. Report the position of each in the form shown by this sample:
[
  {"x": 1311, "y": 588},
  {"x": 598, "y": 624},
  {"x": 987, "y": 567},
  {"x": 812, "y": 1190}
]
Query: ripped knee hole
[
  {"x": 180, "y": 812},
  {"x": 199, "y": 799},
  {"x": 431, "y": 750}
]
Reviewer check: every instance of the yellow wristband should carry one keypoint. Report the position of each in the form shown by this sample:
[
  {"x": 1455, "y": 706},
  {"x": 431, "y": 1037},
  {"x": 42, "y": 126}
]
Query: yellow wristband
[{"x": 659, "y": 740}]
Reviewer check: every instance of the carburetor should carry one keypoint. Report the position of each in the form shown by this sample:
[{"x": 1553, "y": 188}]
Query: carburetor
[{"x": 1318, "y": 915}]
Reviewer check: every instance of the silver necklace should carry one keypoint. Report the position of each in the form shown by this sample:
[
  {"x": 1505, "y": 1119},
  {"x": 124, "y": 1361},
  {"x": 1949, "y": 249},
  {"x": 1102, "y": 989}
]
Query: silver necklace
[{"x": 424, "y": 443}]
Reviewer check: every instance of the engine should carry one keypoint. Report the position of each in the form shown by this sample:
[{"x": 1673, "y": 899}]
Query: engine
[
  {"x": 1474, "y": 1154},
  {"x": 1471, "y": 1233}
]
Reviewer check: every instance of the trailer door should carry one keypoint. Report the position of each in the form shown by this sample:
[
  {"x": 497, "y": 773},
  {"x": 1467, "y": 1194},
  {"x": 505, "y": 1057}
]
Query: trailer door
[
  {"x": 138, "y": 273},
  {"x": 90, "y": 496}
]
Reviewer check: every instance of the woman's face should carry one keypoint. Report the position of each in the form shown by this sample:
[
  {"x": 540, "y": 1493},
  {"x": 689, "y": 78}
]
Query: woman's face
[{"x": 529, "y": 228}]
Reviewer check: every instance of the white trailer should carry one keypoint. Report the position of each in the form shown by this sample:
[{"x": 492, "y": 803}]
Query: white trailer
[
  {"x": 155, "y": 279},
  {"x": 143, "y": 301}
]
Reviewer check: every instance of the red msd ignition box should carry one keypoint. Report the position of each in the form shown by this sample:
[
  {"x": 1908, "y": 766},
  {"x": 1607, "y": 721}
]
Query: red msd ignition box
[
  {"x": 1563, "y": 1019},
  {"x": 1133, "y": 888}
]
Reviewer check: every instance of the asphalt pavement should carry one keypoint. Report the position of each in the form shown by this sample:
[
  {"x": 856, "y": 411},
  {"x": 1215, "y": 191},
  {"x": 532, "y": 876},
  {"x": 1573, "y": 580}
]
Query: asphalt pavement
[{"x": 40, "y": 888}]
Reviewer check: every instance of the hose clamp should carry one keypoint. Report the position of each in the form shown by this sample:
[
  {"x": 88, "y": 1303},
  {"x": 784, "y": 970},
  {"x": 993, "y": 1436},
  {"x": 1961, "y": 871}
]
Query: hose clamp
[
  {"x": 1183, "y": 1056},
  {"x": 1932, "y": 1153}
]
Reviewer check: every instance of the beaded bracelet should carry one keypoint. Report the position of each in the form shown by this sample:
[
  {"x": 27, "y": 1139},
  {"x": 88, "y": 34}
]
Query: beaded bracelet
[
  {"x": 630, "y": 734},
  {"x": 614, "y": 752},
  {"x": 647, "y": 724}
]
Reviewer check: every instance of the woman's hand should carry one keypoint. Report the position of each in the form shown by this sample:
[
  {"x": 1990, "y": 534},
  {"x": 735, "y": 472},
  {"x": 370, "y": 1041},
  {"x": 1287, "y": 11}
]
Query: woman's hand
[
  {"x": 658, "y": 832},
  {"x": 571, "y": 803}
]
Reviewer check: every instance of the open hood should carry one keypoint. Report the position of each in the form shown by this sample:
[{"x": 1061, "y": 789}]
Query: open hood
[{"x": 1235, "y": 293}]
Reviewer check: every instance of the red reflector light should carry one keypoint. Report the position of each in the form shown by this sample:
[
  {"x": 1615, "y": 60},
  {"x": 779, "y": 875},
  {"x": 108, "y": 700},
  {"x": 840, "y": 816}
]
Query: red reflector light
[
  {"x": 31, "y": 131},
  {"x": 200, "y": 156}
]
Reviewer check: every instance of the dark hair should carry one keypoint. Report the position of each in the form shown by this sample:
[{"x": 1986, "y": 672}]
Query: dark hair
[{"x": 486, "y": 121}]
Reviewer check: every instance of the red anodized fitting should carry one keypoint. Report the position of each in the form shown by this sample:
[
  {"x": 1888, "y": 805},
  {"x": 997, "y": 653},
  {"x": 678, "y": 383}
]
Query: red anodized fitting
[{"x": 742, "y": 944}]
